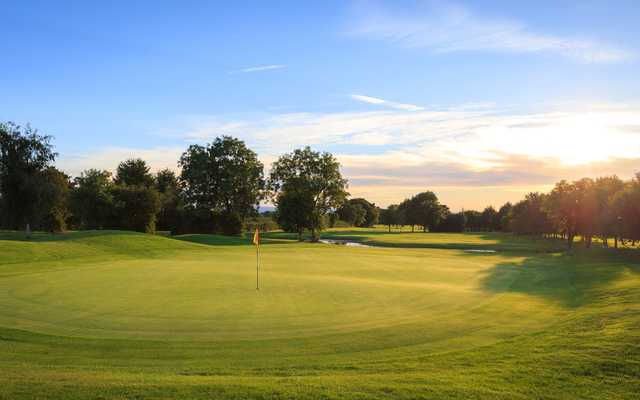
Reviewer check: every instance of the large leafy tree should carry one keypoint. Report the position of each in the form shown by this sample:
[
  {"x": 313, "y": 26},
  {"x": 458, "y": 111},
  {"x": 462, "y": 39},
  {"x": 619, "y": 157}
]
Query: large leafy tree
[
  {"x": 604, "y": 191},
  {"x": 489, "y": 219},
  {"x": 570, "y": 209},
  {"x": 588, "y": 209},
  {"x": 295, "y": 209},
  {"x": 136, "y": 207},
  {"x": 92, "y": 199},
  {"x": 170, "y": 204},
  {"x": 405, "y": 207},
  {"x": 224, "y": 178},
  {"x": 391, "y": 216},
  {"x": 450, "y": 222},
  {"x": 134, "y": 172},
  {"x": 473, "y": 220},
  {"x": 504, "y": 217},
  {"x": 54, "y": 202},
  {"x": 530, "y": 217},
  {"x": 167, "y": 181},
  {"x": 371, "y": 212},
  {"x": 24, "y": 155},
  {"x": 136, "y": 200},
  {"x": 313, "y": 180},
  {"x": 625, "y": 206},
  {"x": 423, "y": 209},
  {"x": 352, "y": 213}
]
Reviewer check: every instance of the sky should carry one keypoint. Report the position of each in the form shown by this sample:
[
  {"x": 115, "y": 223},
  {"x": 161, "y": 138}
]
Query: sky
[{"x": 479, "y": 101}]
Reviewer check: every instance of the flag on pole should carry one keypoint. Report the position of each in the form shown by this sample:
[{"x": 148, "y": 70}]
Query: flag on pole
[{"x": 256, "y": 241}]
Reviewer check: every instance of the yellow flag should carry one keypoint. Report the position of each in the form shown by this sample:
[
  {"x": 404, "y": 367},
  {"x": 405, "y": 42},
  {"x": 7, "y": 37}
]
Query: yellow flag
[{"x": 256, "y": 237}]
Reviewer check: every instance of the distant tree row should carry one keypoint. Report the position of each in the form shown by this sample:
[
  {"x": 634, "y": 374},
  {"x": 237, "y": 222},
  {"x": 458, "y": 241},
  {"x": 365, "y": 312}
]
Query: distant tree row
[
  {"x": 606, "y": 208},
  {"x": 222, "y": 183},
  {"x": 425, "y": 211}
]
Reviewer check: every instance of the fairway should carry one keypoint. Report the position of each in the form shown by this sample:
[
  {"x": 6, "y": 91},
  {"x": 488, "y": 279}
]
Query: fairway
[{"x": 126, "y": 315}]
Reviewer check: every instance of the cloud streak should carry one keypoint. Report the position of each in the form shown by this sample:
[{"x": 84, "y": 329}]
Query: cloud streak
[
  {"x": 452, "y": 29},
  {"x": 386, "y": 103},
  {"x": 262, "y": 68}
]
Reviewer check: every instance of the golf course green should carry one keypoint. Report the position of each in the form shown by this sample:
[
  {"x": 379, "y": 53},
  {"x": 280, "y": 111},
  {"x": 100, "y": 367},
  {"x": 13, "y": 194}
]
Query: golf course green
[{"x": 110, "y": 314}]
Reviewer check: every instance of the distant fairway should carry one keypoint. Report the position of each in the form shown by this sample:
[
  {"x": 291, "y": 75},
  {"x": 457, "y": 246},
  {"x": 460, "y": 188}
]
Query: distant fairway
[{"x": 124, "y": 315}]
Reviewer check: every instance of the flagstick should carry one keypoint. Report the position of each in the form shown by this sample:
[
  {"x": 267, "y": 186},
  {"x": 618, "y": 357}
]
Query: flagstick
[{"x": 257, "y": 257}]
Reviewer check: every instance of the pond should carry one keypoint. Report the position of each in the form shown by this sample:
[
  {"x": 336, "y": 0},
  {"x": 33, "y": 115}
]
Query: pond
[
  {"x": 343, "y": 243},
  {"x": 351, "y": 243}
]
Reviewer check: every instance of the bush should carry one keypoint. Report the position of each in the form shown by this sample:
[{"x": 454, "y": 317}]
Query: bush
[
  {"x": 55, "y": 221},
  {"x": 265, "y": 223},
  {"x": 342, "y": 224},
  {"x": 197, "y": 220},
  {"x": 193, "y": 220},
  {"x": 136, "y": 207},
  {"x": 229, "y": 224}
]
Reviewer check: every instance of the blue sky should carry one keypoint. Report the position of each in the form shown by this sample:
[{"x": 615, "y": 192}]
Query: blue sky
[{"x": 480, "y": 101}]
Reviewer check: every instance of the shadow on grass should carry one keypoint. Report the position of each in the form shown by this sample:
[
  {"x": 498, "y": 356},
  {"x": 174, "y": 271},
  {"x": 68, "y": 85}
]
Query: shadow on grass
[
  {"x": 370, "y": 237},
  {"x": 572, "y": 279},
  {"x": 221, "y": 240},
  {"x": 69, "y": 235},
  {"x": 208, "y": 239}
]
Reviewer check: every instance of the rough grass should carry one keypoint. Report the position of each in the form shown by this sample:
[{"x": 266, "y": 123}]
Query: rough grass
[{"x": 124, "y": 315}]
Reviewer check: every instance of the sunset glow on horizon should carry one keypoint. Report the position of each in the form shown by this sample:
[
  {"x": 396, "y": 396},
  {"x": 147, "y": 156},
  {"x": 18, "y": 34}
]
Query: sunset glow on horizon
[{"x": 451, "y": 97}]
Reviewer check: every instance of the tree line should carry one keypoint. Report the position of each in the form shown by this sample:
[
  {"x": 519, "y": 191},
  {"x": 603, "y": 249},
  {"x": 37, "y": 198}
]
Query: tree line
[
  {"x": 606, "y": 208},
  {"x": 221, "y": 184},
  {"x": 218, "y": 190}
]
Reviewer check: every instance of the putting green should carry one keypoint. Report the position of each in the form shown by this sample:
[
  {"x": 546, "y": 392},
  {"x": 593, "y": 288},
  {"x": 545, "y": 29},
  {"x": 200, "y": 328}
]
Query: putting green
[
  {"x": 211, "y": 295},
  {"x": 165, "y": 308}
]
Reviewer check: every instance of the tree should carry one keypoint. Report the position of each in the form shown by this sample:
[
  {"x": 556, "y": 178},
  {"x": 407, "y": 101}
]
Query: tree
[
  {"x": 352, "y": 213},
  {"x": 54, "y": 202},
  {"x": 530, "y": 216},
  {"x": 452, "y": 222},
  {"x": 170, "y": 203},
  {"x": 563, "y": 205},
  {"x": 332, "y": 219},
  {"x": 134, "y": 172},
  {"x": 295, "y": 210},
  {"x": 390, "y": 216},
  {"x": 311, "y": 178},
  {"x": 625, "y": 206},
  {"x": 473, "y": 220},
  {"x": 24, "y": 154},
  {"x": 136, "y": 207},
  {"x": 605, "y": 189},
  {"x": 588, "y": 210},
  {"x": 407, "y": 213},
  {"x": 224, "y": 179},
  {"x": 92, "y": 199},
  {"x": 504, "y": 217},
  {"x": 167, "y": 181},
  {"x": 423, "y": 209},
  {"x": 135, "y": 197},
  {"x": 371, "y": 212},
  {"x": 489, "y": 219}
]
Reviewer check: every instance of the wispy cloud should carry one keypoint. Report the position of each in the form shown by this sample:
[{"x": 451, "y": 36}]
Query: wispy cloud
[
  {"x": 454, "y": 28},
  {"x": 262, "y": 68},
  {"x": 388, "y": 154},
  {"x": 386, "y": 103}
]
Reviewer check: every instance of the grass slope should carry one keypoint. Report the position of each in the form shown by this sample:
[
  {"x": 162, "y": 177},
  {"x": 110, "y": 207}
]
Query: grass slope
[{"x": 125, "y": 315}]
